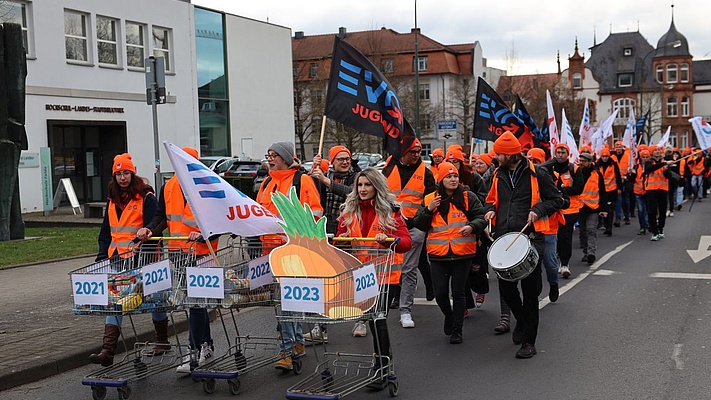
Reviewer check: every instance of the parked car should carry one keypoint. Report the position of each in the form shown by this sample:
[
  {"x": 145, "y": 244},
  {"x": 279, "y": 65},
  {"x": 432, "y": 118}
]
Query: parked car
[
  {"x": 244, "y": 168},
  {"x": 365, "y": 160},
  {"x": 219, "y": 164}
]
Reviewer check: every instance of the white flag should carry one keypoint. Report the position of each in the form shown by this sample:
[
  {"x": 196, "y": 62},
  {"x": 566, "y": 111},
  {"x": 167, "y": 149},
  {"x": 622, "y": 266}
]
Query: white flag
[
  {"x": 598, "y": 142},
  {"x": 552, "y": 126},
  {"x": 703, "y": 132},
  {"x": 606, "y": 126},
  {"x": 663, "y": 141},
  {"x": 218, "y": 206},
  {"x": 585, "y": 131},
  {"x": 630, "y": 136},
  {"x": 569, "y": 139}
]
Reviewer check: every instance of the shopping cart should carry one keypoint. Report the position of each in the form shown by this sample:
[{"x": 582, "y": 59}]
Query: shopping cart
[
  {"x": 247, "y": 281},
  {"x": 136, "y": 282},
  {"x": 357, "y": 294}
]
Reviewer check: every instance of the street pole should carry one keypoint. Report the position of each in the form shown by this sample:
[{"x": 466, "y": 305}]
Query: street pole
[
  {"x": 417, "y": 81},
  {"x": 155, "y": 94}
]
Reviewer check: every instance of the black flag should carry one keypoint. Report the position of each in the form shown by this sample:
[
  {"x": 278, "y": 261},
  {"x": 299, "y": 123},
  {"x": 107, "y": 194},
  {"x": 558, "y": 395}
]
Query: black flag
[{"x": 493, "y": 117}]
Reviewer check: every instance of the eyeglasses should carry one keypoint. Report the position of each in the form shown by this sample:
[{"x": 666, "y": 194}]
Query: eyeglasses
[
  {"x": 415, "y": 152},
  {"x": 271, "y": 156},
  {"x": 342, "y": 159},
  {"x": 122, "y": 174}
]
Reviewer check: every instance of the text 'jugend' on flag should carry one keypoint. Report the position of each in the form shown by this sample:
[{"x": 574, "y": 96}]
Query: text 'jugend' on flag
[
  {"x": 361, "y": 97},
  {"x": 218, "y": 207}
]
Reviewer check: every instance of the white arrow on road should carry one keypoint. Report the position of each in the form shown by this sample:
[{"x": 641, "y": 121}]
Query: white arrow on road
[{"x": 703, "y": 250}]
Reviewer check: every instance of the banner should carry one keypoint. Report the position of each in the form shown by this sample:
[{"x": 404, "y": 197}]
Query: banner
[
  {"x": 218, "y": 207},
  {"x": 493, "y": 117},
  {"x": 585, "y": 130},
  {"x": 361, "y": 97},
  {"x": 569, "y": 139},
  {"x": 703, "y": 132},
  {"x": 523, "y": 115},
  {"x": 630, "y": 136},
  {"x": 665, "y": 138},
  {"x": 552, "y": 126}
]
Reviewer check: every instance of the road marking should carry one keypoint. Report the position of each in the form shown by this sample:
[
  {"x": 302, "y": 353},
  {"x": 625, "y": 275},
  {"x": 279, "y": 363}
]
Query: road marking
[
  {"x": 703, "y": 250},
  {"x": 421, "y": 301},
  {"x": 676, "y": 356},
  {"x": 604, "y": 272},
  {"x": 679, "y": 275},
  {"x": 545, "y": 301}
]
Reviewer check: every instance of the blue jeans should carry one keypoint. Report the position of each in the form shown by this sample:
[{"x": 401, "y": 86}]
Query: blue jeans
[
  {"x": 642, "y": 214},
  {"x": 697, "y": 185},
  {"x": 199, "y": 328},
  {"x": 550, "y": 258},
  {"x": 290, "y": 334},
  {"x": 679, "y": 196},
  {"x": 118, "y": 319}
]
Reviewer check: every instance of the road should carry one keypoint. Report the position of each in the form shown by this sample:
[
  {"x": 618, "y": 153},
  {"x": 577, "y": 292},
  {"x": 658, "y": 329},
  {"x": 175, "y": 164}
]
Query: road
[{"x": 634, "y": 325}]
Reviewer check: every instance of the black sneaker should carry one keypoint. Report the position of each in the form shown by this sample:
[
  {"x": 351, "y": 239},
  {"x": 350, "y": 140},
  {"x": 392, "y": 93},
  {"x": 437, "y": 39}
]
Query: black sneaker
[
  {"x": 591, "y": 258},
  {"x": 430, "y": 295},
  {"x": 448, "y": 326},
  {"x": 395, "y": 304},
  {"x": 527, "y": 350},
  {"x": 608, "y": 233},
  {"x": 455, "y": 338},
  {"x": 553, "y": 293},
  {"x": 518, "y": 333},
  {"x": 585, "y": 258}
]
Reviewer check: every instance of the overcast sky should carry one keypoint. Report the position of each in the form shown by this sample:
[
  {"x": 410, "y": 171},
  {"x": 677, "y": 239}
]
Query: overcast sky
[{"x": 533, "y": 31}]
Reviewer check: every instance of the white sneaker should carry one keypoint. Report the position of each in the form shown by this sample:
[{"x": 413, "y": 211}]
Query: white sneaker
[
  {"x": 205, "y": 354},
  {"x": 565, "y": 271},
  {"x": 184, "y": 367},
  {"x": 316, "y": 335},
  {"x": 406, "y": 321},
  {"x": 671, "y": 214},
  {"x": 668, "y": 212},
  {"x": 359, "y": 330},
  {"x": 654, "y": 238},
  {"x": 661, "y": 236}
]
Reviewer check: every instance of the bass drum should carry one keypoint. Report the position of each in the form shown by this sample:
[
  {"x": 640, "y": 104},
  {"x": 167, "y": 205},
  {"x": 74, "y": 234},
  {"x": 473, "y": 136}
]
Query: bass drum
[{"x": 515, "y": 263}]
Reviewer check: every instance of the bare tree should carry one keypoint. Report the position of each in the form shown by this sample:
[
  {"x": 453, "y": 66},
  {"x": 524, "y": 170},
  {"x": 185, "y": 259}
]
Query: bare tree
[{"x": 462, "y": 101}]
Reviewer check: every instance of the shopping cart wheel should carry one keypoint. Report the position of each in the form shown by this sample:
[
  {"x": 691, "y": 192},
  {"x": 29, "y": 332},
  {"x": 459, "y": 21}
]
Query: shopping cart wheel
[
  {"x": 327, "y": 380},
  {"x": 124, "y": 392},
  {"x": 98, "y": 392},
  {"x": 297, "y": 366},
  {"x": 393, "y": 388},
  {"x": 209, "y": 385},
  {"x": 234, "y": 385}
]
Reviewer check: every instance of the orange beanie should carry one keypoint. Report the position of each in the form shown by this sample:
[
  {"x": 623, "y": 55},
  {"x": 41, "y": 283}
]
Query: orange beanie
[
  {"x": 415, "y": 143},
  {"x": 446, "y": 168},
  {"x": 644, "y": 153},
  {"x": 455, "y": 154},
  {"x": 563, "y": 145},
  {"x": 191, "y": 151},
  {"x": 537, "y": 154},
  {"x": 123, "y": 162},
  {"x": 486, "y": 158},
  {"x": 438, "y": 152},
  {"x": 605, "y": 152},
  {"x": 333, "y": 152},
  {"x": 507, "y": 144}
]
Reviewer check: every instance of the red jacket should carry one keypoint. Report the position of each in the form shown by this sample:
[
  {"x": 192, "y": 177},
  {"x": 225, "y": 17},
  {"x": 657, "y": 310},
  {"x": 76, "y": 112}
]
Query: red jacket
[{"x": 367, "y": 213}]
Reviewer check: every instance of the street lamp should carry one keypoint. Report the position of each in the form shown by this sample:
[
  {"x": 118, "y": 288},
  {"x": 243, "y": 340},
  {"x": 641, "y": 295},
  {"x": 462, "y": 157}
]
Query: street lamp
[{"x": 675, "y": 44}]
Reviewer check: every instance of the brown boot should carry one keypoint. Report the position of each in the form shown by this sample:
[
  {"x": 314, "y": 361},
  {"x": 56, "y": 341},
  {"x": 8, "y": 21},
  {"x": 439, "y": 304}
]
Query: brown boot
[
  {"x": 162, "y": 344},
  {"x": 106, "y": 356}
]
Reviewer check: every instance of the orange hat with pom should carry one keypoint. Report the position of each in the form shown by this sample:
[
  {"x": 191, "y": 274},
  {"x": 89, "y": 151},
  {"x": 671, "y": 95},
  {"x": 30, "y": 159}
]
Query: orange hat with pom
[
  {"x": 537, "y": 154},
  {"x": 446, "y": 168},
  {"x": 123, "y": 162},
  {"x": 193, "y": 152},
  {"x": 507, "y": 144},
  {"x": 333, "y": 152}
]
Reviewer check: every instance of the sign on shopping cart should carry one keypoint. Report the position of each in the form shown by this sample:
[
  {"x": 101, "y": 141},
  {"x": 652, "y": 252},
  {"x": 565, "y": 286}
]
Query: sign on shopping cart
[
  {"x": 365, "y": 284},
  {"x": 205, "y": 282},
  {"x": 302, "y": 295},
  {"x": 90, "y": 289},
  {"x": 260, "y": 272},
  {"x": 157, "y": 277}
]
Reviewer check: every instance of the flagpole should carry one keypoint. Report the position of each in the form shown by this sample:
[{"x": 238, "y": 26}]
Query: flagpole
[
  {"x": 320, "y": 141},
  {"x": 417, "y": 81},
  {"x": 471, "y": 150}
]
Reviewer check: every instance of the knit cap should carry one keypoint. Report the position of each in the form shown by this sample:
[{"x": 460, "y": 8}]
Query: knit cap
[
  {"x": 193, "y": 152},
  {"x": 285, "y": 150},
  {"x": 446, "y": 168},
  {"x": 507, "y": 144},
  {"x": 123, "y": 162},
  {"x": 333, "y": 152}
]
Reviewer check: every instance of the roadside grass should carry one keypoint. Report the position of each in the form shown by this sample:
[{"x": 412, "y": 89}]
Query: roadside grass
[{"x": 49, "y": 244}]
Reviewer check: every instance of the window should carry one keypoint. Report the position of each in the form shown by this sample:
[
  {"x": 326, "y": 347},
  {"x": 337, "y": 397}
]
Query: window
[
  {"x": 684, "y": 138},
  {"x": 75, "y": 36},
  {"x": 313, "y": 71},
  {"x": 421, "y": 63},
  {"x": 577, "y": 80},
  {"x": 671, "y": 73},
  {"x": 135, "y": 45},
  {"x": 627, "y": 51},
  {"x": 672, "y": 107},
  {"x": 660, "y": 73},
  {"x": 508, "y": 96},
  {"x": 684, "y": 73},
  {"x": 624, "y": 106},
  {"x": 106, "y": 40},
  {"x": 425, "y": 122},
  {"x": 624, "y": 80},
  {"x": 162, "y": 45},
  {"x": 685, "y": 106},
  {"x": 672, "y": 139},
  {"x": 16, "y": 12},
  {"x": 424, "y": 91},
  {"x": 387, "y": 66},
  {"x": 316, "y": 96}
]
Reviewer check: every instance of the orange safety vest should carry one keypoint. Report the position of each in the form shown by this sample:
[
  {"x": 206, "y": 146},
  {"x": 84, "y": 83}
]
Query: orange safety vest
[
  {"x": 394, "y": 277},
  {"x": 124, "y": 229},
  {"x": 434, "y": 169},
  {"x": 624, "y": 161},
  {"x": 608, "y": 174},
  {"x": 639, "y": 181},
  {"x": 591, "y": 192},
  {"x": 180, "y": 219},
  {"x": 657, "y": 181},
  {"x": 682, "y": 167},
  {"x": 443, "y": 235},
  {"x": 541, "y": 224},
  {"x": 567, "y": 180},
  {"x": 698, "y": 167},
  {"x": 412, "y": 194}
]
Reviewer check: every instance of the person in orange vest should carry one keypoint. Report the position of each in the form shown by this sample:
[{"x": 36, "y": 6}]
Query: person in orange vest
[
  {"x": 593, "y": 205},
  {"x": 175, "y": 214},
  {"x": 410, "y": 181},
  {"x": 676, "y": 179},
  {"x": 570, "y": 182},
  {"x": 613, "y": 185},
  {"x": 521, "y": 195},
  {"x": 437, "y": 158},
  {"x": 285, "y": 172},
  {"x": 131, "y": 205},
  {"x": 656, "y": 176},
  {"x": 453, "y": 217},
  {"x": 625, "y": 202},
  {"x": 698, "y": 172},
  {"x": 370, "y": 210},
  {"x": 640, "y": 192}
]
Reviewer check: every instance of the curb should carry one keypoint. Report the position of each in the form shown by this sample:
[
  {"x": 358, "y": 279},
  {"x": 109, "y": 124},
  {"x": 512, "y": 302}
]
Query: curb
[
  {"x": 29, "y": 264},
  {"x": 65, "y": 362}
]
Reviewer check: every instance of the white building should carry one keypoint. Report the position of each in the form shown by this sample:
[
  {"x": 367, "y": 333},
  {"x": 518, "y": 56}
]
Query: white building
[{"x": 228, "y": 85}]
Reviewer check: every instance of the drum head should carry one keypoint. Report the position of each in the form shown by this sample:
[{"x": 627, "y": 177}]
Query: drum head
[{"x": 500, "y": 258}]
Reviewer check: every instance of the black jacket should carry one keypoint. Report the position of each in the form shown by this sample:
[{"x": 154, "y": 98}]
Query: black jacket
[{"x": 515, "y": 201}]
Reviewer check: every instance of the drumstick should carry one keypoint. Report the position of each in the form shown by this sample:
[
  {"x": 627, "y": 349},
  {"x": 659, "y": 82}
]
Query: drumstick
[{"x": 519, "y": 234}]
